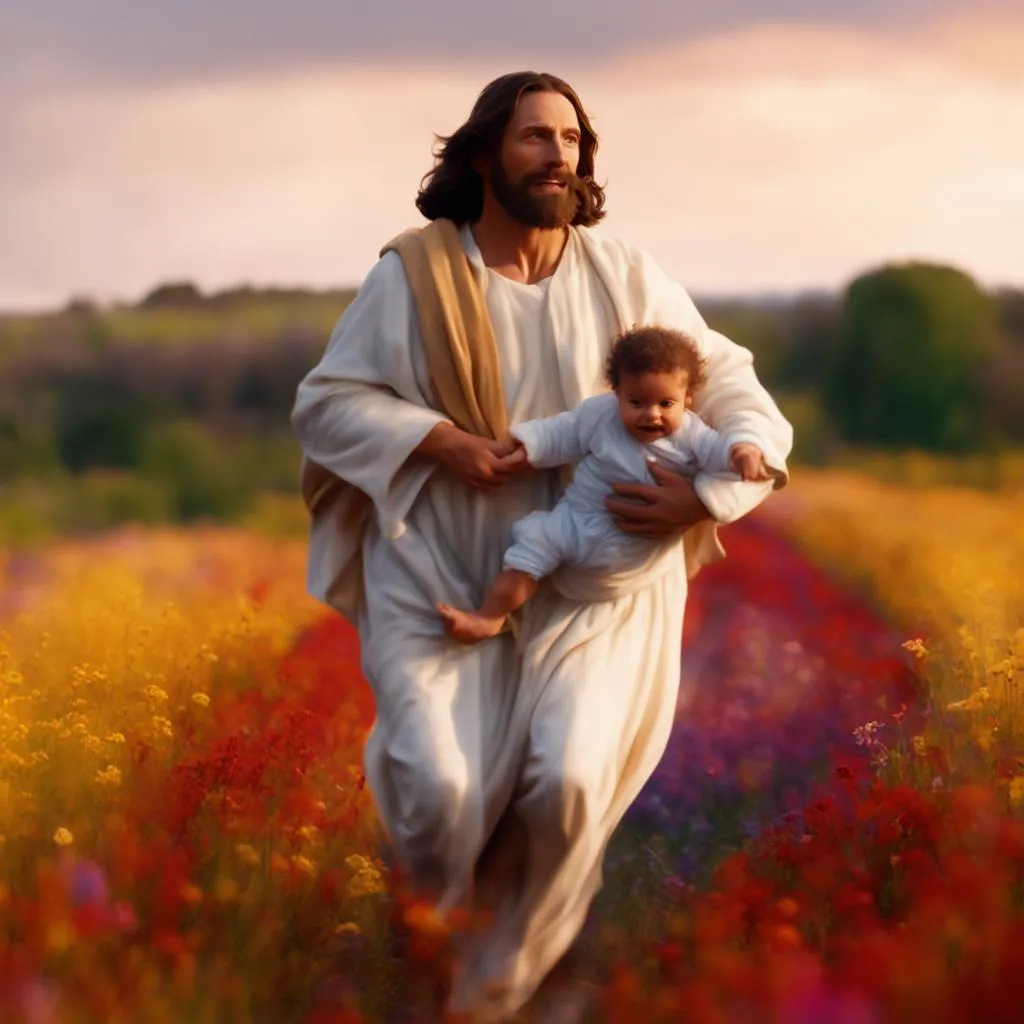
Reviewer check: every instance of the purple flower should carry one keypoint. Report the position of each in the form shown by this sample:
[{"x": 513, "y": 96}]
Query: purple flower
[{"x": 87, "y": 883}]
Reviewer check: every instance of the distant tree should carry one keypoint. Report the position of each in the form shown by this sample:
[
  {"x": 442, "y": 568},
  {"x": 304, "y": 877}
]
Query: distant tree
[
  {"x": 81, "y": 305},
  {"x": 812, "y": 331},
  {"x": 913, "y": 346},
  {"x": 174, "y": 295}
]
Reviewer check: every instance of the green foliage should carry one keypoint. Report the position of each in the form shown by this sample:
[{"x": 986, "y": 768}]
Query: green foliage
[
  {"x": 95, "y": 426},
  {"x": 907, "y": 371},
  {"x": 185, "y": 460},
  {"x": 25, "y": 448},
  {"x": 813, "y": 435}
]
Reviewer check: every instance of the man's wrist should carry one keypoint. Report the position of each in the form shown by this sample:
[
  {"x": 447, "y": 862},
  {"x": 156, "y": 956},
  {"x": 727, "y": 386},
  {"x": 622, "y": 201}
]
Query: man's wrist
[
  {"x": 700, "y": 514},
  {"x": 438, "y": 440}
]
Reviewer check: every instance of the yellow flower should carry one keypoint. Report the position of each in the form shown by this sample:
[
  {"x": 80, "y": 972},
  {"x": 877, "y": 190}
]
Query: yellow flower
[
  {"x": 114, "y": 737},
  {"x": 163, "y": 725},
  {"x": 916, "y": 647},
  {"x": 348, "y": 928},
  {"x": 201, "y": 699},
  {"x": 976, "y": 699},
  {"x": 155, "y": 693},
  {"x": 983, "y": 736},
  {"x": 109, "y": 776},
  {"x": 62, "y": 837},
  {"x": 1017, "y": 790},
  {"x": 303, "y": 864},
  {"x": 920, "y": 745},
  {"x": 365, "y": 884},
  {"x": 247, "y": 855}
]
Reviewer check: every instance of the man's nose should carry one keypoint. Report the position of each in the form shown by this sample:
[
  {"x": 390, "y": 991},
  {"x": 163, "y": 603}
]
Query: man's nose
[{"x": 558, "y": 153}]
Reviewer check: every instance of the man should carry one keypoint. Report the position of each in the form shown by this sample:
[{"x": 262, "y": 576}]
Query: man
[{"x": 530, "y": 745}]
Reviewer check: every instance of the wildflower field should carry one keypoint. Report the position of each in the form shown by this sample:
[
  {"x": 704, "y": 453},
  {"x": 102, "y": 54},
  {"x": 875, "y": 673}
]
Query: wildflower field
[{"x": 836, "y": 832}]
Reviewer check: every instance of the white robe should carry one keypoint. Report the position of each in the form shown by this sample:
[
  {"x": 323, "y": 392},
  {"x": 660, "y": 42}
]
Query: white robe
[
  {"x": 534, "y": 745},
  {"x": 579, "y": 533}
]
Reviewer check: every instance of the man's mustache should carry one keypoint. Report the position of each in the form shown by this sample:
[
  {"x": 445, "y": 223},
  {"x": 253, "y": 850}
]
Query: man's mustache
[{"x": 562, "y": 177}]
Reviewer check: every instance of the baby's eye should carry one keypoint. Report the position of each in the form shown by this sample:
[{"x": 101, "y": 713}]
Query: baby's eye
[{"x": 667, "y": 404}]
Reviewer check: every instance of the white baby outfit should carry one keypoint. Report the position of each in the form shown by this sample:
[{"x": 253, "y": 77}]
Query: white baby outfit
[{"x": 579, "y": 530}]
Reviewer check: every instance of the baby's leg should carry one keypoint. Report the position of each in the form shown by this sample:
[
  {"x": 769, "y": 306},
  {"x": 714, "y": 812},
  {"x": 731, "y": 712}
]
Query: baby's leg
[
  {"x": 510, "y": 590},
  {"x": 538, "y": 540}
]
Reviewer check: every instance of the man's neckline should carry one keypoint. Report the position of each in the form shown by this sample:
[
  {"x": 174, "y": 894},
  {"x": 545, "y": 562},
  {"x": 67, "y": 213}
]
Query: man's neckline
[
  {"x": 473, "y": 251},
  {"x": 540, "y": 283}
]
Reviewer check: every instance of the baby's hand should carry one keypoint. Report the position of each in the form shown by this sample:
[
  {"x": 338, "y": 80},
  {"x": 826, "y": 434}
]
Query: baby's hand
[
  {"x": 748, "y": 461},
  {"x": 508, "y": 445}
]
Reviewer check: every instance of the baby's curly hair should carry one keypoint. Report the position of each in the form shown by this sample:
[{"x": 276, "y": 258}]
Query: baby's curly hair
[{"x": 656, "y": 350}]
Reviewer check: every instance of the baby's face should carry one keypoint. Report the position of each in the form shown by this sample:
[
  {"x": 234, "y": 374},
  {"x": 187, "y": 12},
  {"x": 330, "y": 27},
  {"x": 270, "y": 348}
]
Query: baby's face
[{"x": 651, "y": 405}]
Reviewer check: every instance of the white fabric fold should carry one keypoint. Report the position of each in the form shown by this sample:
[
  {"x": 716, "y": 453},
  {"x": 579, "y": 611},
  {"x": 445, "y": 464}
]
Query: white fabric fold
[{"x": 362, "y": 412}]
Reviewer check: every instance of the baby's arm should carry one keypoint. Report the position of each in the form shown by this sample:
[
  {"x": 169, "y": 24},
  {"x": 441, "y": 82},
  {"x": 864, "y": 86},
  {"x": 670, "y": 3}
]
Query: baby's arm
[
  {"x": 717, "y": 453},
  {"x": 563, "y": 438},
  {"x": 709, "y": 446}
]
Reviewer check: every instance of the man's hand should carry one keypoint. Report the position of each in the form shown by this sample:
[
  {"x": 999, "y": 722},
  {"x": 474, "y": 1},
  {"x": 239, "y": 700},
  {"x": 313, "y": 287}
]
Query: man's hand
[
  {"x": 478, "y": 462},
  {"x": 672, "y": 505},
  {"x": 748, "y": 460}
]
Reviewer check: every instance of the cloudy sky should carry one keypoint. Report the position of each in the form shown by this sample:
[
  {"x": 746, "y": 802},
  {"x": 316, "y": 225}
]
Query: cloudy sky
[{"x": 762, "y": 145}]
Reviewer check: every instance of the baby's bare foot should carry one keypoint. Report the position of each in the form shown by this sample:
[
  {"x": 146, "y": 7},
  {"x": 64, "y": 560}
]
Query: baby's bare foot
[{"x": 469, "y": 627}]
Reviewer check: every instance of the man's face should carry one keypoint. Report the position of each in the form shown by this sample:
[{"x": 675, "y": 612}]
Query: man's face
[
  {"x": 651, "y": 405},
  {"x": 534, "y": 177}
]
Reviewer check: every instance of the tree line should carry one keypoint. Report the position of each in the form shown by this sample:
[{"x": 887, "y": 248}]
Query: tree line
[{"x": 906, "y": 356}]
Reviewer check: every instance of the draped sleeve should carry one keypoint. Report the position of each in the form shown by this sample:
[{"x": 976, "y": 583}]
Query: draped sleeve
[{"x": 361, "y": 412}]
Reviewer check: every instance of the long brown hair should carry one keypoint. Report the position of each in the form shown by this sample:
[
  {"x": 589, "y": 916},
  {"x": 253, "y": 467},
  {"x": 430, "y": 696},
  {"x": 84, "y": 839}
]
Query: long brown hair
[{"x": 453, "y": 189}]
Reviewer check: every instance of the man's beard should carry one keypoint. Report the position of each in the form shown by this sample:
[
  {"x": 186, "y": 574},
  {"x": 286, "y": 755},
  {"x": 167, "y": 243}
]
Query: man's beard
[{"x": 537, "y": 210}]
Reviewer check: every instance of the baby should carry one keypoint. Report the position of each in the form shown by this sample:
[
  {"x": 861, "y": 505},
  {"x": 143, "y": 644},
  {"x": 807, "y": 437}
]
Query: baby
[{"x": 654, "y": 374}]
